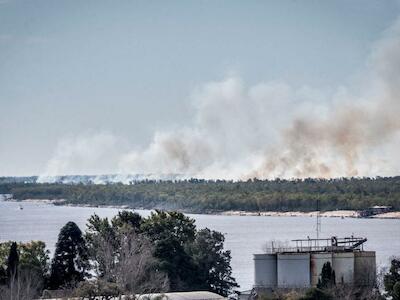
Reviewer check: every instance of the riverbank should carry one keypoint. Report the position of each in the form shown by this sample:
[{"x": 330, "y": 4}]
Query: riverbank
[{"x": 327, "y": 214}]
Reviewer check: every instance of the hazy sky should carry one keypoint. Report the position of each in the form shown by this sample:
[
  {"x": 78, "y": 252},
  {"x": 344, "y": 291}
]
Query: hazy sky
[{"x": 126, "y": 69}]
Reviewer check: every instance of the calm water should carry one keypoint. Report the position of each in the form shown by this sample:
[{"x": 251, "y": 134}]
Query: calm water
[{"x": 245, "y": 235}]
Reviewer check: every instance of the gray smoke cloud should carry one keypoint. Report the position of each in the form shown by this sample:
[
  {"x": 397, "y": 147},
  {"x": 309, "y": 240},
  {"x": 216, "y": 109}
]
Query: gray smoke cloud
[{"x": 272, "y": 129}]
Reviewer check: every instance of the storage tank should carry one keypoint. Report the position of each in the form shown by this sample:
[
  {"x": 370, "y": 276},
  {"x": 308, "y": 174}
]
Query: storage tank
[
  {"x": 265, "y": 274},
  {"x": 364, "y": 268},
  {"x": 293, "y": 270},
  {"x": 343, "y": 265},
  {"x": 317, "y": 262}
]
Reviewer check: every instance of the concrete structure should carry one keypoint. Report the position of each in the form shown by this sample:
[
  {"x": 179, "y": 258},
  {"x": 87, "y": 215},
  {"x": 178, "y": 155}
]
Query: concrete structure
[
  {"x": 317, "y": 261},
  {"x": 364, "y": 268},
  {"x": 301, "y": 266},
  {"x": 293, "y": 270},
  {"x": 343, "y": 265},
  {"x": 374, "y": 210},
  {"x": 265, "y": 270}
]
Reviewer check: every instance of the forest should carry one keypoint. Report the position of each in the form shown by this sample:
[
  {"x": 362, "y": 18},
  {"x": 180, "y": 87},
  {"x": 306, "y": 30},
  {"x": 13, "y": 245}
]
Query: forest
[{"x": 208, "y": 196}]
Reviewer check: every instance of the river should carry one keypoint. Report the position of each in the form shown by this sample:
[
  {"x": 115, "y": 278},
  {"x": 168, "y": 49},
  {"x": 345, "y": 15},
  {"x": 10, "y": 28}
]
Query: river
[{"x": 245, "y": 235}]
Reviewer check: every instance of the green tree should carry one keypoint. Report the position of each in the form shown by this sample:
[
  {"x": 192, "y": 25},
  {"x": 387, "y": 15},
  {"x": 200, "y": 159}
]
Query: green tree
[
  {"x": 33, "y": 255},
  {"x": 12, "y": 263},
  {"x": 70, "y": 262},
  {"x": 127, "y": 218},
  {"x": 213, "y": 270},
  {"x": 101, "y": 233},
  {"x": 121, "y": 255},
  {"x": 31, "y": 272},
  {"x": 4, "y": 253},
  {"x": 171, "y": 233},
  {"x": 392, "y": 277},
  {"x": 327, "y": 277}
]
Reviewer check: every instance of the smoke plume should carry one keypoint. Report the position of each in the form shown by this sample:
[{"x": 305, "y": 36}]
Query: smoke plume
[{"x": 272, "y": 129}]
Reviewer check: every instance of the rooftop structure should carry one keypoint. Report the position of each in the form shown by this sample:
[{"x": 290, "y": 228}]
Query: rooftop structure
[{"x": 332, "y": 244}]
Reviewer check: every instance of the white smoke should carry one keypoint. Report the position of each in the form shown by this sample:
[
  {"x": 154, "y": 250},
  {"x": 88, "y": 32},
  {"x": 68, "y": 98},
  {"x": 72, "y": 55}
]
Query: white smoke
[
  {"x": 272, "y": 129},
  {"x": 87, "y": 153}
]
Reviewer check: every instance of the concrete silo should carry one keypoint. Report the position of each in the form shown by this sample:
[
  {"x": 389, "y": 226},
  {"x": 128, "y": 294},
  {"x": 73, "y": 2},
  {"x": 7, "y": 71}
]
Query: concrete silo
[
  {"x": 293, "y": 270},
  {"x": 301, "y": 266},
  {"x": 265, "y": 274},
  {"x": 317, "y": 261}
]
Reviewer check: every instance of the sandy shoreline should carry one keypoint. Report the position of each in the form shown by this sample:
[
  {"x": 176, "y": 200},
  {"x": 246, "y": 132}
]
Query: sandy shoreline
[{"x": 327, "y": 214}]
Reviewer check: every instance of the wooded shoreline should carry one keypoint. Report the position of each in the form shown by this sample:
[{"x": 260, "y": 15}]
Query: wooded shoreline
[{"x": 300, "y": 196}]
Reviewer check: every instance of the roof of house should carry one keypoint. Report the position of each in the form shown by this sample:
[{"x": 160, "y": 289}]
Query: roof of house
[{"x": 196, "y": 295}]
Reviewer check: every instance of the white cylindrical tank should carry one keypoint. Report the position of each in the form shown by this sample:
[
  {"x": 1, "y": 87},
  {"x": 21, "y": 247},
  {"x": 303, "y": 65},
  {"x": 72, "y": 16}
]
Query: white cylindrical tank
[
  {"x": 265, "y": 274},
  {"x": 316, "y": 264},
  {"x": 293, "y": 270},
  {"x": 343, "y": 265}
]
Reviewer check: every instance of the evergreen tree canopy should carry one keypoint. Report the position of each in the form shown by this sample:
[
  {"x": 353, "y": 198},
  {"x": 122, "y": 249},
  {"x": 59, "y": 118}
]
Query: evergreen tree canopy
[
  {"x": 34, "y": 256},
  {"x": 70, "y": 262},
  {"x": 127, "y": 218},
  {"x": 12, "y": 262},
  {"x": 327, "y": 277},
  {"x": 171, "y": 232},
  {"x": 197, "y": 195},
  {"x": 213, "y": 270}
]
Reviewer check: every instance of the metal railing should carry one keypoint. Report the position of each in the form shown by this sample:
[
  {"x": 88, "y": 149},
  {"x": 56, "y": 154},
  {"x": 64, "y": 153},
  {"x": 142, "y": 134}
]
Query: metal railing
[{"x": 320, "y": 245}]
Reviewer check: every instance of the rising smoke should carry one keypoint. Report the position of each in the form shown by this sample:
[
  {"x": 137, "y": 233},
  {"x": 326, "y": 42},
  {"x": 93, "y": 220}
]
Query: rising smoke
[{"x": 273, "y": 130}]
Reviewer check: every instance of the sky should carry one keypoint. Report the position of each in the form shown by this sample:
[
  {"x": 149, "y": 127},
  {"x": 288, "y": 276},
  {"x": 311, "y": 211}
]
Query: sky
[{"x": 204, "y": 88}]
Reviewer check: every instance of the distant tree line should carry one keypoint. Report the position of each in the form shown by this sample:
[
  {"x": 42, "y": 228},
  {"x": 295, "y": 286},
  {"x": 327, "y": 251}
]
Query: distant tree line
[
  {"x": 127, "y": 255},
  {"x": 212, "y": 196}
]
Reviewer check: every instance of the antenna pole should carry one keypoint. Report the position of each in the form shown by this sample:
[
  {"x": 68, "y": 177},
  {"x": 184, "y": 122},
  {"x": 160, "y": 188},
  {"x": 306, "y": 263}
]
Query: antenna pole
[{"x": 318, "y": 227}]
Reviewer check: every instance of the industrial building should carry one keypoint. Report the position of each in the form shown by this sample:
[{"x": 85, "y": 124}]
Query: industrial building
[
  {"x": 300, "y": 266},
  {"x": 374, "y": 210}
]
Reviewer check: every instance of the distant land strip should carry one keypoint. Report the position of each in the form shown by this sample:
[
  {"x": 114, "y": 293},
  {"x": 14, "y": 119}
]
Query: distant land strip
[{"x": 206, "y": 196}]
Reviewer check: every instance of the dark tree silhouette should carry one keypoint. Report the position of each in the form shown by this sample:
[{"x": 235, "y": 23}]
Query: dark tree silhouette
[
  {"x": 213, "y": 270},
  {"x": 171, "y": 232},
  {"x": 12, "y": 263},
  {"x": 327, "y": 277},
  {"x": 70, "y": 263}
]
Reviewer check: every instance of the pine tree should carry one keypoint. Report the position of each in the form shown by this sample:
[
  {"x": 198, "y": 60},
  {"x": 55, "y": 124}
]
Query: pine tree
[
  {"x": 70, "y": 262},
  {"x": 12, "y": 263},
  {"x": 327, "y": 277}
]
